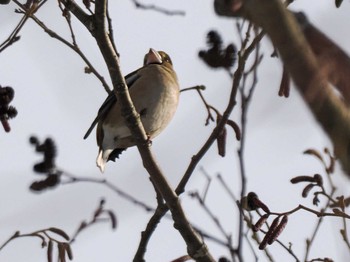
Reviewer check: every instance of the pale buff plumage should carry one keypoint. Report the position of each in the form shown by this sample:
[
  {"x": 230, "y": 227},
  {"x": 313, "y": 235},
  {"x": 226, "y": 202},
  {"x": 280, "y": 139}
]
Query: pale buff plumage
[{"x": 154, "y": 90}]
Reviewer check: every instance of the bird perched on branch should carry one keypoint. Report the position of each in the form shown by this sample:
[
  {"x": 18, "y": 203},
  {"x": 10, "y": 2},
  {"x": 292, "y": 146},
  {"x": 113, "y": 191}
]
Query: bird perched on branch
[{"x": 154, "y": 90}]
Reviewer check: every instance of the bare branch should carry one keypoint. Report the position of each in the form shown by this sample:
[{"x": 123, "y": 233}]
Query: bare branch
[
  {"x": 158, "y": 9},
  {"x": 195, "y": 246},
  {"x": 299, "y": 60}
]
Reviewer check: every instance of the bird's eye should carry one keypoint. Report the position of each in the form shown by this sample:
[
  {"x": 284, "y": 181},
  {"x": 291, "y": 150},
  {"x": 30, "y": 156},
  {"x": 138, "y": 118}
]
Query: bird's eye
[{"x": 167, "y": 59}]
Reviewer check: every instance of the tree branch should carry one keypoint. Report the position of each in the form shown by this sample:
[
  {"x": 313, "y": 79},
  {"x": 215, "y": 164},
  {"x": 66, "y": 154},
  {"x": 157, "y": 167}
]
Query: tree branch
[
  {"x": 195, "y": 246},
  {"x": 299, "y": 60}
]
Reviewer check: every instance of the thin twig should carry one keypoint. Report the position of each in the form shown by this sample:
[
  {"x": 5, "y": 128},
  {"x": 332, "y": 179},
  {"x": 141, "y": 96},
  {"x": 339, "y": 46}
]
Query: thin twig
[
  {"x": 147, "y": 233},
  {"x": 114, "y": 188},
  {"x": 14, "y": 35},
  {"x": 73, "y": 46},
  {"x": 245, "y": 100},
  {"x": 158, "y": 9}
]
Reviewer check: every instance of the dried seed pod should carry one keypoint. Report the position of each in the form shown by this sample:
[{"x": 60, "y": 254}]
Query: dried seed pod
[
  {"x": 38, "y": 186},
  {"x": 5, "y": 125},
  {"x": 330, "y": 168},
  {"x": 49, "y": 251},
  {"x": 61, "y": 252},
  {"x": 263, "y": 243},
  {"x": 315, "y": 200},
  {"x": 59, "y": 232},
  {"x": 315, "y": 153},
  {"x": 235, "y": 128},
  {"x": 52, "y": 180},
  {"x": 4, "y": 2},
  {"x": 254, "y": 202},
  {"x": 340, "y": 213},
  {"x": 256, "y": 227},
  {"x": 299, "y": 179},
  {"x": 12, "y": 112},
  {"x": 33, "y": 140},
  {"x": 318, "y": 179},
  {"x": 285, "y": 84},
  {"x": 68, "y": 250},
  {"x": 182, "y": 259},
  {"x": 338, "y": 3},
  {"x": 269, "y": 233},
  {"x": 278, "y": 230},
  {"x": 223, "y": 259},
  {"x": 306, "y": 190},
  {"x": 216, "y": 55},
  {"x": 87, "y": 3},
  {"x": 347, "y": 201},
  {"x": 49, "y": 151},
  {"x": 221, "y": 142},
  {"x": 113, "y": 219},
  {"x": 6, "y": 95}
]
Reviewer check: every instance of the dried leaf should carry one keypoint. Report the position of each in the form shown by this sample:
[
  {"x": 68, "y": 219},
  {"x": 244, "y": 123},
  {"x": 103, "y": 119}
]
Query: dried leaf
[{"x": 59, "y": 232}]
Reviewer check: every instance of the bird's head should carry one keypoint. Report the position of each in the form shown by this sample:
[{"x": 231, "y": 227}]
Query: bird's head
[{"x": 156, "y": 57}]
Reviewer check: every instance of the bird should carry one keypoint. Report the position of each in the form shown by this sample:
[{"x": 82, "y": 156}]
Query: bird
[{"x": 154, "y": 90}]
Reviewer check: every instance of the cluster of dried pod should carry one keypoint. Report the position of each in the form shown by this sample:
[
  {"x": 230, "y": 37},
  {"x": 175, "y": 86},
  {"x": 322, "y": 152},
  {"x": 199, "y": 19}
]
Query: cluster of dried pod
[
  {"x": 47, "y": 166},
  {"x": 64, "y": 249},
  {"x": 217, "y": 56},
  {"x": 6, "y": 111},
  {"x": 313, "y": 181},
  {"x": 252, "y": 202}
]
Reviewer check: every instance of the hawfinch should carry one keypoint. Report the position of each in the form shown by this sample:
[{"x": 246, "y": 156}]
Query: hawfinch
[{"x": 154, "y": 90}]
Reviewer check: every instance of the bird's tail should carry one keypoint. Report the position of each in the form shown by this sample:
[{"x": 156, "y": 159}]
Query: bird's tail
[{"x": 102, "y": 158}]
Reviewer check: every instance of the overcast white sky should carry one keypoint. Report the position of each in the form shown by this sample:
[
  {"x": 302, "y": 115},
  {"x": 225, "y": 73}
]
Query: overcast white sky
[{"x": 55, "y": 98}]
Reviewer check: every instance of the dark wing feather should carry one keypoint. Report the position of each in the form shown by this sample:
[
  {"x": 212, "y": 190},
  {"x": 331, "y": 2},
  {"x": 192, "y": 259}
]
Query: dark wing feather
[{"x": 110, "y": 101}]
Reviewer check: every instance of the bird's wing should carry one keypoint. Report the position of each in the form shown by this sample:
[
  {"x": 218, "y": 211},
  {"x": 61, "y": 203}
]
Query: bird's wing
[{"x": 130, "y": 79}]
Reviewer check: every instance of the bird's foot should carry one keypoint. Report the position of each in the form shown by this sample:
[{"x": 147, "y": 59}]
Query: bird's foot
[{"x": 148, "y": 141}]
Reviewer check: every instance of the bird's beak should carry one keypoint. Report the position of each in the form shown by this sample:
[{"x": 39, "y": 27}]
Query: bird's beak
[{"x": 153, "y": 57}]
